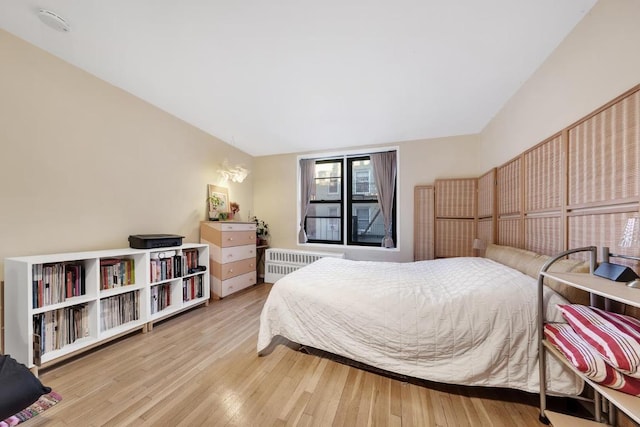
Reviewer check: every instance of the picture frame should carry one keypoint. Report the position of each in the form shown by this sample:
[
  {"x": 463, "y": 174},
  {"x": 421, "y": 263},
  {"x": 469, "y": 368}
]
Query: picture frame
[{"x": 220, "y": 192}]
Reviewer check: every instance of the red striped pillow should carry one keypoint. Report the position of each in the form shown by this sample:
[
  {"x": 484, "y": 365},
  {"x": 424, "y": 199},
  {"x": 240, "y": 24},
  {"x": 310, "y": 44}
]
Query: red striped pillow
[
  {"x": 614, "y": 336},
  {"x": 587, "y": 360}
]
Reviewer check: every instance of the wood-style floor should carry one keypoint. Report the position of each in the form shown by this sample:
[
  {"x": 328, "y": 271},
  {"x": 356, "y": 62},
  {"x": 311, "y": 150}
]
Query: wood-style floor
[{"x": 201, "y": 368}]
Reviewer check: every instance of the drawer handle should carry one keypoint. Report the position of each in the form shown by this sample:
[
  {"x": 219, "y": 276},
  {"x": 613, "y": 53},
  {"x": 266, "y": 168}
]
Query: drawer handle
[
  {"x": 251, "y": 265},
  {"x": 251, "y": 251},
  {"x": 230, "y": 239},
  {"x": 231, "y": 270}
]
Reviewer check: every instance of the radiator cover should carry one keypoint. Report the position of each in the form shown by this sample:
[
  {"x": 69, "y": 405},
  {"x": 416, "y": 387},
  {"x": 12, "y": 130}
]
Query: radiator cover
[{"x": 280, "y": 262}]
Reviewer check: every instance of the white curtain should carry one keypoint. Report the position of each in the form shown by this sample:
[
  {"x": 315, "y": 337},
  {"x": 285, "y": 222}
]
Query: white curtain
[
  {"x": 384, "y": 171},
  {"x": 307, "y": 187}
]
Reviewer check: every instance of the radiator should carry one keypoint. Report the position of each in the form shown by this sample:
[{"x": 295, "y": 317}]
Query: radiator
[{"x": 280, "y": 262}]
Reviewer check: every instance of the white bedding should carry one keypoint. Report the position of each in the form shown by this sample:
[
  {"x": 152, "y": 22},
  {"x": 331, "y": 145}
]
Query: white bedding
[{"x": 469, "y": 321}]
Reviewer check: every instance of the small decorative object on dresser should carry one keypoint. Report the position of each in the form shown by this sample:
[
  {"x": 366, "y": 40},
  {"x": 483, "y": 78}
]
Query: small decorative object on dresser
[
  {"x": 218, "y": 201},
  {"x": 232, "y": 246},
  {"x": 234, "y": 208}
]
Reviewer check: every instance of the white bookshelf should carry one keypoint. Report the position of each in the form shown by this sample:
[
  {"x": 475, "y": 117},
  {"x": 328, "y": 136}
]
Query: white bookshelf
[
  {"x": 626, "y": 403},
  {"x": 110, "y": 312}
]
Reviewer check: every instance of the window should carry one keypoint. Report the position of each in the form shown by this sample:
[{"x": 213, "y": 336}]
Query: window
[
  {"x": 324, "y": 218},
  {"x": 345, "y": 209},
  {"x": 362, "y": 181}
]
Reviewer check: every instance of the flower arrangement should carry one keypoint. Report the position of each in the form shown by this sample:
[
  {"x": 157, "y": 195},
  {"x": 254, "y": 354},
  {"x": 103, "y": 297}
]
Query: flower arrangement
[
  {"x": 234, "y": 207},
  {"x": 262, "y": 228}
]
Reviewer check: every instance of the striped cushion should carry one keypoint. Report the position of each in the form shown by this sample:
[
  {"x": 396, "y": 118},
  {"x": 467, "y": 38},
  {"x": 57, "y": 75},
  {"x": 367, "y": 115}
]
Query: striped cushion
[
  {"x": 587, "y": 360},
  {"x": 614, "y": 336}
]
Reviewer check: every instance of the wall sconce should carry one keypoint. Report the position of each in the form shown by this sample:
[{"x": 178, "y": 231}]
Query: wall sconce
[{"x": 233, "y": 173}]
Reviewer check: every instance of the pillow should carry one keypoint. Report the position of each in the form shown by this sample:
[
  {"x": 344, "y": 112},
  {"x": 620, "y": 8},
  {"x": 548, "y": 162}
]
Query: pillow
[
  {"x": 19, "y": 388},
  {"x": 516, "y": 258},
  {"x": 573, "y": 294},
  {"x": 587, "y": 360},
  {"x": 614, "y": 336}
]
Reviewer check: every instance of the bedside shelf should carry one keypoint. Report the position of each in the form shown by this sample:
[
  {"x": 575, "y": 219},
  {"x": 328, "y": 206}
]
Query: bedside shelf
[{"x": 618, "y": 291}]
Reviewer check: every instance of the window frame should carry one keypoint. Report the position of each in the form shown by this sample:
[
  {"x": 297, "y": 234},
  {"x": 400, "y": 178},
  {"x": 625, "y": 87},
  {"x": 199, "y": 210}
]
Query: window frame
[
  {"x": 339, "y": 202},
  {"x": 346, "y": 204}
]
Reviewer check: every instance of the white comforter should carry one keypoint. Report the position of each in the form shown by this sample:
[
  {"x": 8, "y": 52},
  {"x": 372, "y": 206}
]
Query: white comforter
[{"x": 469, "y": 321}]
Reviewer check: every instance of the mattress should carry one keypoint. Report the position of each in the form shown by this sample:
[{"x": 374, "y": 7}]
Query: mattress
[{"x": 468, "y": 321}]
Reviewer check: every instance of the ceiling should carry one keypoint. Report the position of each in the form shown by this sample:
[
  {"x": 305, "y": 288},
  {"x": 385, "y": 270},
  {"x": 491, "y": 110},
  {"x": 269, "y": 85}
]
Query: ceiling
[{"x": 282, "y": 76}]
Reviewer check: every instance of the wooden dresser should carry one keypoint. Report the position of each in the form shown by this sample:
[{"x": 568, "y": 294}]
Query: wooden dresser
[{"x": 232, "y": 255}]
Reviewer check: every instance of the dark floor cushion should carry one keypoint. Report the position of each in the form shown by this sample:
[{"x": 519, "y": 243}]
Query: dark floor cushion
[{"x": 19, "y": 388}]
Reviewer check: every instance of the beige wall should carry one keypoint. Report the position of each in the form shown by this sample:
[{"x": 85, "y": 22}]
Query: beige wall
[
  {"x": 84, "y": 164},
  {"x": 597, "y": 61},
  {"x": 421, "y": 162}
]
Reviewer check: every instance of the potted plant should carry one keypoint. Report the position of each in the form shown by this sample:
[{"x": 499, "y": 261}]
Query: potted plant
[
  {"x": 215, "y": 205},
  {"x": 262, "y": 231}
]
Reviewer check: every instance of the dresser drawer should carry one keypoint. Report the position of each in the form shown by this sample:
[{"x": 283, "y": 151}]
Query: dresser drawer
[
  {"x": 232, "y": 269},
  {"x": 237, "y": 226},
  {"x": 234, "y": 253},
  {"x": 217, "y": 237},
  {"x": 237, "y": 238},
  {"x": 227, "y": 287}
]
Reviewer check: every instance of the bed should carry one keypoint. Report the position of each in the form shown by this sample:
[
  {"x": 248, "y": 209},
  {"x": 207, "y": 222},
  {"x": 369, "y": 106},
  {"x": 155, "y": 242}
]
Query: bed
[{"x": 467, "y": 321}]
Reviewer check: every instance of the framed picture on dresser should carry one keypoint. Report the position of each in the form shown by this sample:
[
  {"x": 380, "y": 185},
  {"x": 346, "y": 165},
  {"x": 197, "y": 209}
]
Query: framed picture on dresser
[{"x": 222, "y": 193}]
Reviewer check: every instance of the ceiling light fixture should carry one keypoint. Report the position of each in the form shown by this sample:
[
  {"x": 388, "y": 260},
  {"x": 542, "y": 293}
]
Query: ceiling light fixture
[
  {"x": 233, "y": 173},
  {"x": 53, "y": 20}
]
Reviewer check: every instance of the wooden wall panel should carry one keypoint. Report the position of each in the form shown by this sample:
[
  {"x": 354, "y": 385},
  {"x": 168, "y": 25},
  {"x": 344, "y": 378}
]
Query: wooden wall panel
[
  {"x": 603, "y": 229},
  {"x": 604, "y": 155},
  {"x": 509, "y": 195},
  {"x": 510, "y": 232},
  {"x": 456, "y": 198},
  {"x": 454, "y": 237},
  {"x": 486, "y": 194},
  {"x": 541, "y": 234},
  {"x": 423, "y": 222},
  {"x": 543, "y": 176},
  {"x": 485, "y": 230}
]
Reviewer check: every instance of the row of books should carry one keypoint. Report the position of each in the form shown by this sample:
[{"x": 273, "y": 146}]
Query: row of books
[
  {"x": 169, "y": 265},
  {"x": 56, "y": 328},
  {"x": 119, "y": 309},
  {"x": 53, "y": 283},
  {"x": 160, "y": 297},
  {"x": 192, "y": 288},
  {"x": 117, "y": 272}
]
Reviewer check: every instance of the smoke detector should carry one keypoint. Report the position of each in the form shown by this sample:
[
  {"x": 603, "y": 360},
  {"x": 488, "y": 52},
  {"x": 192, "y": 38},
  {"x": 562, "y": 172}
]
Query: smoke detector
[{"x": 53, "y": 20}]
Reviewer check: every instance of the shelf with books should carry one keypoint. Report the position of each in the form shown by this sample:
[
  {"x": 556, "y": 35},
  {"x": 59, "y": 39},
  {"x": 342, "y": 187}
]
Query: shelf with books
[
  {"x": 118, "y": 272},
  {"x": 162, "y": 298},
  {"x": 55, "y": 283},
  {"x": 124, "y": 306},
  {"x": 59, "y": 331},
  {"x": 119, "y": 310},
  {"x": 193, "y": 287}
]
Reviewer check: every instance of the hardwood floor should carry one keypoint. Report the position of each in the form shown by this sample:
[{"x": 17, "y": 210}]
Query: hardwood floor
[{"x": 201, "y": 368}]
